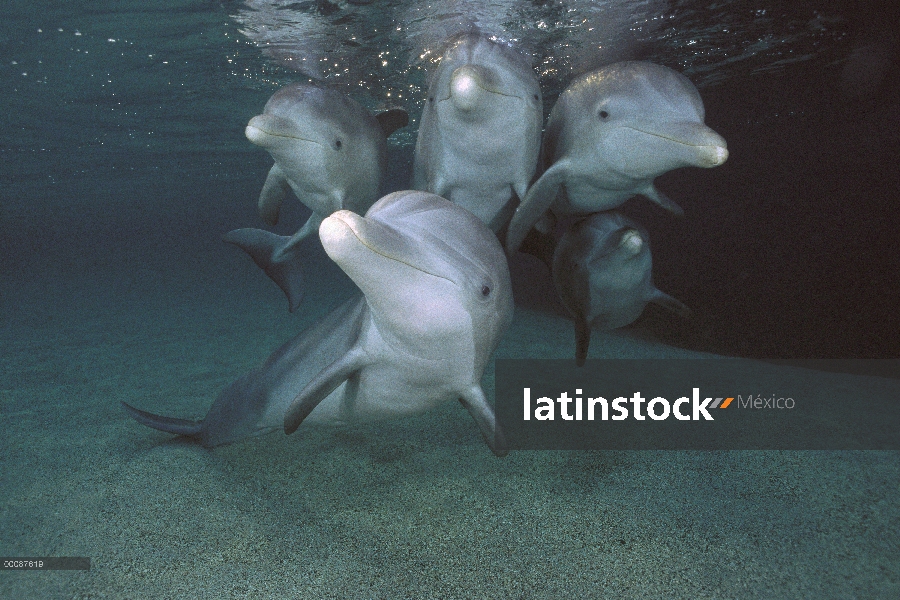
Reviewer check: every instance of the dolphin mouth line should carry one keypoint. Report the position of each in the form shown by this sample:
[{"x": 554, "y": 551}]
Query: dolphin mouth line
[
  {"x": 393, "y": 258},
  {"x": 449, "y": 95},
  {"x": 671, "y": 139},
  {"x": 281, "y": 135}
]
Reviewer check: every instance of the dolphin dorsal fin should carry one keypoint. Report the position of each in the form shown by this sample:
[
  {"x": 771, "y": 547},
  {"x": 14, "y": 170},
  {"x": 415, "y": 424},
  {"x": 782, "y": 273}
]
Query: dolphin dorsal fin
[{"x": 391, "y": 120}]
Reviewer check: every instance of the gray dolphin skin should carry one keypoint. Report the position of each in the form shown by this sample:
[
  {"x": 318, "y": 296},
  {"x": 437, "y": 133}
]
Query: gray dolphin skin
[
  {"x": 331, "y": 152},
  {"x": 602, "y": 273},
  {"x": 436, "y": 297},
  {"x": 610, "y": 133},
  {"x": 480, "y": 132}
]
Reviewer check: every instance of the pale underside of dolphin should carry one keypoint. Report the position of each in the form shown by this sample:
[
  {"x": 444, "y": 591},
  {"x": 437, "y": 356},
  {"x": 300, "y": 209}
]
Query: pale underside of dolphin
[
  {"x": 602, "y": 270},
  {"x": 609, "y": 135},
  {"x": 435, "y": 300},
  {"x": 331, "y": 153},
  {"x": 479, "y": 136}
]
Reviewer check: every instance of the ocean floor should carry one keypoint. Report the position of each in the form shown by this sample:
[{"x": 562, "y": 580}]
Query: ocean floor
[{"x": 417, "y": 508}]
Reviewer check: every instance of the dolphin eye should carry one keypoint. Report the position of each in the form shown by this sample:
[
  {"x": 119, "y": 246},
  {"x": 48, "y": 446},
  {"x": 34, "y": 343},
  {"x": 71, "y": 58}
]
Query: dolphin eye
[
  {"x": 485, "y": 291},
  {"x": 338, "y": 144},
  {"x": 431, "y": 99},
  {"x": 603, "y": 115},
  {"x": 536, "y": 97}
]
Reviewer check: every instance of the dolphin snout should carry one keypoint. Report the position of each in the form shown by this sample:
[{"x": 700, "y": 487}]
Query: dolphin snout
[
  {"x": 265, "y": 130},
  {"x": 468, "y": 84},
  {"x": 345, "y": 232},
  {"x": 335, "y": 229},
  {"x": 714, "y": 152},
  {"x": 706, "y": 148},
  {"x": 466, "y": 87}
]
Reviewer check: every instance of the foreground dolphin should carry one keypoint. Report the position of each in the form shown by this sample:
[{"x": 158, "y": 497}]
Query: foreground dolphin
[
  {"x": 602, "y": 272},
  {"x": 331, "y": 152},
  {"x": 480, "y": 132},
  {"x": 612, "y": 132},
  {"x": 436, "y": 298}
]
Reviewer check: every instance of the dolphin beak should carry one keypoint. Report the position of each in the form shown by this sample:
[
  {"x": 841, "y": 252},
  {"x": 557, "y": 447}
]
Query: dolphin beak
[
  {"x": 467, "y": 87},
  {"x": 704, "y": 147},
  {"x": 346, "y": 235},
  {"x": 266, "y": 130}
]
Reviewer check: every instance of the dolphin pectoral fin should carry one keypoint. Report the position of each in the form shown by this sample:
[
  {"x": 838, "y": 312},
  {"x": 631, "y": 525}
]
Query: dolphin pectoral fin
[
  {"x": 520, "y": 189},
  {"x": 670, "y": 303},
  {"x": 440, "y": 185},
  {"x": 273, "y": 193},
  {"x": 392, "y": 120},
  {"x": 483, "y": 413},
  {"x": 540, "y": 245},
  {"x": 321, "y": 386},
  {"x": 657, "y": 196},
  {"x": 311, "y": 226},
  {"x": 503, "y": 216},
  {"x": 535, "y": 203},
  {"x": 183, "y": 427},
  {"x": 582, "y": 340},
  {"x": 267, "y": 251}
]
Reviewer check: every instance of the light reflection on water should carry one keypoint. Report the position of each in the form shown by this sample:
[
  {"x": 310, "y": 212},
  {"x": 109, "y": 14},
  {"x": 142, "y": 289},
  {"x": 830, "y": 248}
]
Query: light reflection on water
[
  {"x": 379, "y": 48},
  {"x": 183, "y": 77}
]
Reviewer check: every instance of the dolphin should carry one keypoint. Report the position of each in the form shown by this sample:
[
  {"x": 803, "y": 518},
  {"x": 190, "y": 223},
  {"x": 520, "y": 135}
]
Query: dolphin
[
  {"x": 480, "y": 132},
  {"x": 331, "y": 152},
  {"x": 602, "y": 273},
  {"x": 610, "y": 133},
  {"x": 436, "y": 297}
]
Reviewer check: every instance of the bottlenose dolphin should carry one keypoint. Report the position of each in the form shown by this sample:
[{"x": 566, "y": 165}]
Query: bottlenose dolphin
[
  {"x": 331, "y": 152},
  {"x": 602, "y": 273},
  {"x": 612, "y": 132},
  {"x": 436, "y": 297},
  {"x": 480, "y": 132}
]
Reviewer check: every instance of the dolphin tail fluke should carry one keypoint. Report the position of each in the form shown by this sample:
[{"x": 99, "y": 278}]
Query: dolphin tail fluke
[
  {"x": 670, "y": 303},
  {"x": 168, "y": 424},
  {"x": 267, "y": 251},
  {"x": 582, "y": 340}
]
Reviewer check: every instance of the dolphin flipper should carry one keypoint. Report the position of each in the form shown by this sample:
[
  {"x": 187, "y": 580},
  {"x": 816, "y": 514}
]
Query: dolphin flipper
[
  {"x": 536, "y": 202},
  {"x": 267, "y": 251},
  {"x": 582, "y": 340},
  {"x": 661, "y": 199},
  {"x": 477, "y": 405},
  {"x": 274, "y": 191},
  {"x": 321, "y": 386},
  {"x": 670, "y": 303},
  {"x": 191, "y": 429}
]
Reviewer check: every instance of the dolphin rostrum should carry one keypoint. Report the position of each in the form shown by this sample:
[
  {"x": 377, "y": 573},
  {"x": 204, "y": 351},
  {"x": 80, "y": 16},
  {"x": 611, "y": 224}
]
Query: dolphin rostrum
[
  {"x": 602, "y": 272},
  {"x": 331, "y": 152},
  {"x": 480, "y": 132},
  {"x": 610, "y": 133},
  {"x": 436, "y": 297}
]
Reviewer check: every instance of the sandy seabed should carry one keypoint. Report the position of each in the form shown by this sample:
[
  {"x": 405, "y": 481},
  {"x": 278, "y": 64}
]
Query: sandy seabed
[{"x": 417, "y": 508}]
